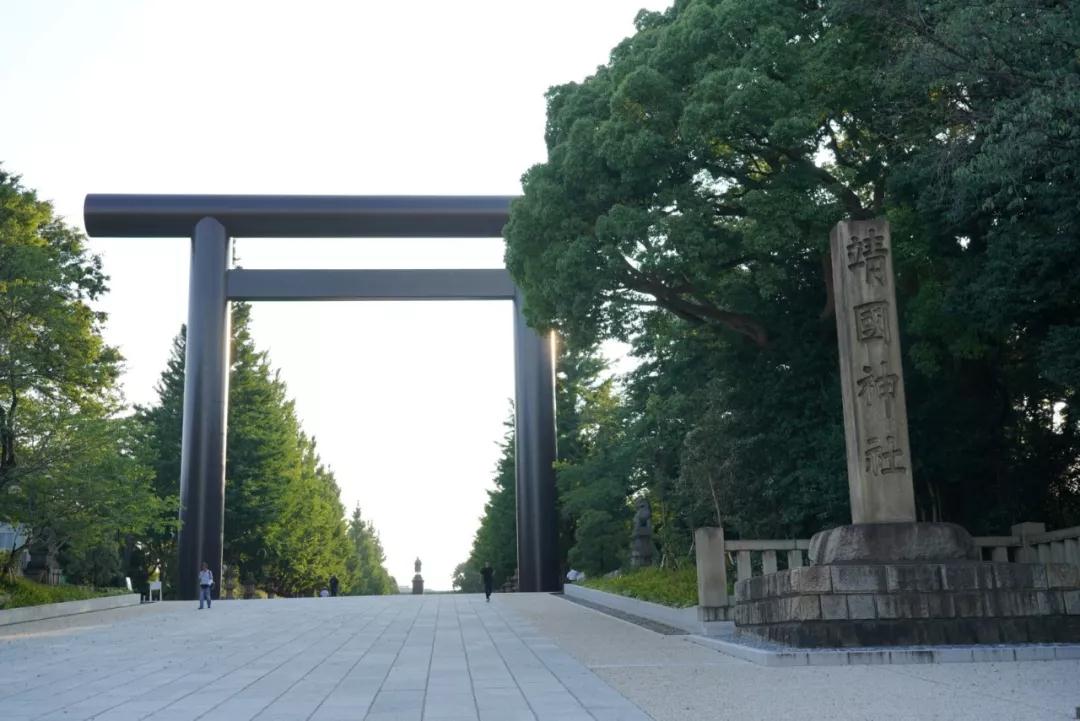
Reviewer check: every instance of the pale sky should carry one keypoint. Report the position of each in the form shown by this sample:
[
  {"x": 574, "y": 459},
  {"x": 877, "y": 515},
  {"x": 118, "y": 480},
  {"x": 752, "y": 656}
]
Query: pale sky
[{"x": 406, "y": 400}]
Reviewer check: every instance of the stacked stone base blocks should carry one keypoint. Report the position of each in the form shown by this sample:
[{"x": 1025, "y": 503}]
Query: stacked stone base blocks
[{"x": 913, "y": 603}]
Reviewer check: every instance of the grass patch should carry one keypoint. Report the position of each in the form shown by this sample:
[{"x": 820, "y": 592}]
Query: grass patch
[
  {"x": 676, "y": 588},
  {"x": 19, "y": 592}
]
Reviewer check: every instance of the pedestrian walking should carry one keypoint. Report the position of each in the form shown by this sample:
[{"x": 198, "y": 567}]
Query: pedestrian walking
[
  {"x": 489, "y": 580},
  {"x": 334, "y": 585},
  {"x": 206, "y": 582}
]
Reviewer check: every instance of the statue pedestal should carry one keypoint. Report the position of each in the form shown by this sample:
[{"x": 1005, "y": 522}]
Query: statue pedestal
[{"x": 418, "y": 584}]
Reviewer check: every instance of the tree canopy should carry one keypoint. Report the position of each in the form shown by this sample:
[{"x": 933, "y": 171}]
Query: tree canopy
[
  {"x": 685, "y": 207},
  {"x": 71, "y": 476},
  {"x": 51, "y": 350}
]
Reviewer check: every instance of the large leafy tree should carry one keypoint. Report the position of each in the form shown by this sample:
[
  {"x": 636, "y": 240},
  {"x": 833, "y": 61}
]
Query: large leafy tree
[
  {"x": 685, "y": 206},
  {"x": 51, "y": 351},
  {"x": 70, "y": 472}
]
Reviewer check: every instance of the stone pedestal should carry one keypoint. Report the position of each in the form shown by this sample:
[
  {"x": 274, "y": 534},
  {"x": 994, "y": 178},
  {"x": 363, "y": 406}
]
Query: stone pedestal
[
  {"x": 418, "y": 584},
  {"x": 892, "y": 542},
  {"x": 895, "y": 604},
  {"x": 896, "y": 584}
]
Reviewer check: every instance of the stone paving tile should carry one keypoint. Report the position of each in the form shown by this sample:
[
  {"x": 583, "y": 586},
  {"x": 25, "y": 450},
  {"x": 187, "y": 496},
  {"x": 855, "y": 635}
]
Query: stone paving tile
[{"x": 445, "y": 658}]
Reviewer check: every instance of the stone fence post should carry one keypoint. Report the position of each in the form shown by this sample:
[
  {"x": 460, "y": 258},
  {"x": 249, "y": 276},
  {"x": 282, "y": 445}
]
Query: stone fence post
[
  {"x": 1026, "y": 553},
  {"x": 711, "y": 574}
]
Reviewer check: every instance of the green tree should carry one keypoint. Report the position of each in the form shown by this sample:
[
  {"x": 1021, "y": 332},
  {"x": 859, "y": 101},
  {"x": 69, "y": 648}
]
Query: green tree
[
  {"x": 284, "y": 523},
  {"x": 594, "y": 472},
  {"x": 590, "y": 473},
  {"x": 51, "y": 351},
  {"x": 368, "y": 562},
  {"x": 161, "y": 431},
  {"x": 496, "y": 538},
  {"x": 264, "y": 459},
  {"x": 69, "y": 472},
  {"x": 308, "y": 540},
  {"x": 83, "y": 492},
  {"x": 467, "y": 578}
]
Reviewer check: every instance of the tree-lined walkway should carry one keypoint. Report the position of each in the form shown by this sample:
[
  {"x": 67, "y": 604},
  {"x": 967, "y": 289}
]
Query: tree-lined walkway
[
  {"x": 439, "y": 657},
  {"x": 524, "y": 656}
]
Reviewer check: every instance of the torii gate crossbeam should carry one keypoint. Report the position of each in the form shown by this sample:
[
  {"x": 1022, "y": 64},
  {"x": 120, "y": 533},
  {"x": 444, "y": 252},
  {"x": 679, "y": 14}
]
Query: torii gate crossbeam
[{"x": 213, "y": 220}]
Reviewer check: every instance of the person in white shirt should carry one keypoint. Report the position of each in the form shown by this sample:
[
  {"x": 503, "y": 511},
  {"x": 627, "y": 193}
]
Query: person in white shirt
[{"x": 206, "y": 582}]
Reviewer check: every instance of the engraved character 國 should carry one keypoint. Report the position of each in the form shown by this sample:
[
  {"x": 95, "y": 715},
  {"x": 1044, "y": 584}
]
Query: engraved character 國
[{"x": 872, "y": 321}]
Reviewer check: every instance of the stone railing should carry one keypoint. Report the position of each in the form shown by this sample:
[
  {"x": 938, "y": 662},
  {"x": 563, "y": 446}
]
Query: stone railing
[
  {"x": 1032, "y": 543},
  {"x": 1028, "y": 543}
]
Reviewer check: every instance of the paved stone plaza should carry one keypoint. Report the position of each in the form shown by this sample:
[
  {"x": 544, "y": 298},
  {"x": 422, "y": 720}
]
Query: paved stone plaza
[{"x": 526, "y": 656}]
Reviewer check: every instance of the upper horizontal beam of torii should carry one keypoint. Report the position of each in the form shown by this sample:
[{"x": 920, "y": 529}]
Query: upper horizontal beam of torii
[{"x": 299, "y": 216}]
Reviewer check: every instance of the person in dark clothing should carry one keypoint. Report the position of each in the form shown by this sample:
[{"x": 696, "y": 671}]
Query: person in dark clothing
[
  {"x": 489, "y": 580},
  {"x": 333, "y": 585}
]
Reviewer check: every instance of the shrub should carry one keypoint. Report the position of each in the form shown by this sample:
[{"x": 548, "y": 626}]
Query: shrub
[
  {"x": 18, "y": 592},
  {"x": 677, "y": 588}
]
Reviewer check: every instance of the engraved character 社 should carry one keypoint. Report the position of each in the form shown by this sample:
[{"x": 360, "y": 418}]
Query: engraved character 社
[{"x": 882, "y": 458}]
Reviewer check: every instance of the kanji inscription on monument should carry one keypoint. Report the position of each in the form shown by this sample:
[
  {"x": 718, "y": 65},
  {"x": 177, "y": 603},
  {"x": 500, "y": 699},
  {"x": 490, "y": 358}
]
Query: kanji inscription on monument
[{"x": 871, "y": 375}]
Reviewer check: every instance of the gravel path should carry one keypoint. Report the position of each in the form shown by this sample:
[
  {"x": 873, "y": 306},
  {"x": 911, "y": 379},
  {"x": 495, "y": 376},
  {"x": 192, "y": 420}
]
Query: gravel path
[{"x": 675, "y": 680}]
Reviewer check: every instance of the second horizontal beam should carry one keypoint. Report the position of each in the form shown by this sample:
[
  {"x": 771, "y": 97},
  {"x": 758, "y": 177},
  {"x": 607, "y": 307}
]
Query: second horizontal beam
[{"x": 426, "y": 284}]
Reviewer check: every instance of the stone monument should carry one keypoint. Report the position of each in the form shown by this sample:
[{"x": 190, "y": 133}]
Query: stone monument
[
  {"x": 888, "y": 579},
  {"x": 641, "y": 544},
  {"x": 230, "y": 582},
  {"x": 417, "y": 580},
  {"x": 42, "y": 565}
]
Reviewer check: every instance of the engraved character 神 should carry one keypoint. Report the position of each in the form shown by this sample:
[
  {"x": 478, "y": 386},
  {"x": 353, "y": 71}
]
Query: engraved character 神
[{"x": 878, "y": 385}]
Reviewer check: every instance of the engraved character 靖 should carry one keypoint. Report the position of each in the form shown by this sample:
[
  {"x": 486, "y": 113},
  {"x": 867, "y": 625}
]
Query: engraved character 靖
[{"x": 868, "y": 251}]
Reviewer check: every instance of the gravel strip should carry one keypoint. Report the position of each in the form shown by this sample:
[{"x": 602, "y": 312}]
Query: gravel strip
[{"x": 655, "y": 626}]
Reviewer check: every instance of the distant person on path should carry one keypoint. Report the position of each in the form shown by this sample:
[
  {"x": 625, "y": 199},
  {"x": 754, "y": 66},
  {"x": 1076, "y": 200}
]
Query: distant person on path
[
  {"x": 206, "y": 582},
  {"x": 333, "y": 585},
  {"x": 489, "y": 580}
]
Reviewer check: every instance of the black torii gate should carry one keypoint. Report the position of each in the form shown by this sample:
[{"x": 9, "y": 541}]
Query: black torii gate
[{"x": 211, "y": 221}]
